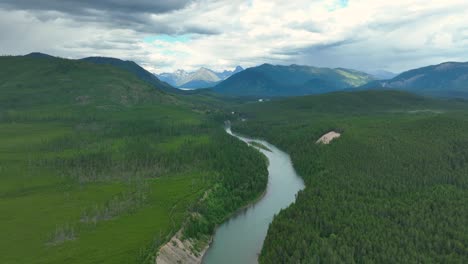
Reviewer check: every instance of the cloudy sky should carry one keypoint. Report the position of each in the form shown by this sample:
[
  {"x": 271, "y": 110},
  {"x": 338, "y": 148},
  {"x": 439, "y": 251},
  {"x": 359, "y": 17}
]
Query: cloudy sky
[{"x": 164, "y": 35}]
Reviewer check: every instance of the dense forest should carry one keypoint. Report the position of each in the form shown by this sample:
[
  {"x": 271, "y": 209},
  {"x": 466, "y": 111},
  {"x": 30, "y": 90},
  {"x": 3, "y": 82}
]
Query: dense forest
[
  {"x": 392, "y": 189},
  {"x": 97, "y": 166}
]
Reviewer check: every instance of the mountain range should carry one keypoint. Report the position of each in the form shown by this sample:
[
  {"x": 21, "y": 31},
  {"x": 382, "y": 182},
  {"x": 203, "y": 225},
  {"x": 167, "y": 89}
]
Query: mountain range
[
  {"x": 294, "y": 80},
  {"x": 202, "y": 78},
  {"x": 382, "y": 74},
  {"x": 449, "y": 79},
  {"x": 93, "y": 148}
]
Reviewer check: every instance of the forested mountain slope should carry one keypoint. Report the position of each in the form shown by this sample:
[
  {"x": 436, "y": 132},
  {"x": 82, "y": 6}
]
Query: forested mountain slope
[
  {"x": 392, "y": 189},
  {"x": 98, "y": 166},
  {"x": 40, "y": 81},
  {"x": 449, "y": 79},
  {"x": 274, "y": 80},
  {"x": 136, "y": 69}
]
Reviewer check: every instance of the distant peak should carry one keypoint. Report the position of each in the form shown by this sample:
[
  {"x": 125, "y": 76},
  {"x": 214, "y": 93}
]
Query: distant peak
[
  {"x": 450, "y": 62},
  {"x": 101, "y": 58},
  {"x": 39, "y": 55}
]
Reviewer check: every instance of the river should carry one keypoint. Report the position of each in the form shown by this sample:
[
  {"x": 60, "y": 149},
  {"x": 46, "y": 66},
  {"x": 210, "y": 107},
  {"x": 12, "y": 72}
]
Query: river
[{"x": 240, "y": 238}]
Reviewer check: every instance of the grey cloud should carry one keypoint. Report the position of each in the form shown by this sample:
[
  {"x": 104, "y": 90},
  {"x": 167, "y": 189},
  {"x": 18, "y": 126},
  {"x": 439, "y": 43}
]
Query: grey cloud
[
  {"x": 414, "y": 18},
  {"x": 389, "y": 26},
  {"x": 102, "y": 45},
  {"x": 308, "y": 26},
  {"x": 334, "y": 44},
  {"x": 286, "y": 52},
  {"x": 462, "y": 34},
  {"x": 320, "y": 47},
  {"x": 88, "y": 6},
  {"x": 200, "y": 30},
  {"x": 137, "y": 15},
  {"x": 117, "y": 28}
]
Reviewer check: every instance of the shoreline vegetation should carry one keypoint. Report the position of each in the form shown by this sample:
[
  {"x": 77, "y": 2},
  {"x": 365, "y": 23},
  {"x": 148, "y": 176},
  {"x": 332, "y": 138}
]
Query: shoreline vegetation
[
  {"x": 180, "y": 249},
  {"x": 194, "y": 256},
  {"x": 259, "y": 145}
]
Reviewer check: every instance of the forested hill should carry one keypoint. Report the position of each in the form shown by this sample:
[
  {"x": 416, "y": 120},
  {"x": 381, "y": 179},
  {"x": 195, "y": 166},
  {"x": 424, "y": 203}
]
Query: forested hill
[
  {"x": 41, "y": 80},
  {"x": 392, "y": 189},
  {"x": 90, "y": 153},
  {"x": 136, "y": 69},
  {"x": 346, "y": 103},
  {"x": 449, "y": 79},
  {"x": 273, "y": 80}
]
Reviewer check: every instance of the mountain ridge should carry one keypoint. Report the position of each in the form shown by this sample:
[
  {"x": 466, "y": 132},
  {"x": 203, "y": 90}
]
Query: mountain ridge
[
  {"x": 127, "y": 65},
  {"x": 448, "y": 79},
  {"x": 201, "y": 78},
  {"x": 382, "y": 74},
  {"x": 135, "y": 69},
  {"x": 72, "y": 83},
  {"x": 293, "y": 80}
]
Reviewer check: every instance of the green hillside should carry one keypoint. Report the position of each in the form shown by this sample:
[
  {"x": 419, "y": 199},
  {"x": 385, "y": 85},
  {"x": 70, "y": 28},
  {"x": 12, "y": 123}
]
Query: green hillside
[
  {"x": 136, "y": 69},
  {"x": 34, "y": 82},
  {"x": 98, "y": 166},
  {"x": 392, "y": 189},
  {"x": 274, "y": 80},
  {"x": 449, "y": 79}
]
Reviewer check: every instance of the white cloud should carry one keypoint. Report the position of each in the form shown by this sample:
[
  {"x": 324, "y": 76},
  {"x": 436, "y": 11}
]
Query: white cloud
[{"x": 364, "y": 34}]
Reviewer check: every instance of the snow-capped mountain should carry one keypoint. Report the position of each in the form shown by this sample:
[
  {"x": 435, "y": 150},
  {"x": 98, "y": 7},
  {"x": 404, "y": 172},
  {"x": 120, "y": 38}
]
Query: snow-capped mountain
[
  {"x": 202, "y": 78},
  {"x": 174, "y": 78},
  {"x": 226, "y": 74}
]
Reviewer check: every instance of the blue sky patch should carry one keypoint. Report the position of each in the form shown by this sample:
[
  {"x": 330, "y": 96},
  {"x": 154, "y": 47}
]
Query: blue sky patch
[
  {"x": 338, "y": 4},
  {"x": 343, "y": 3},
  {"x": 168, "y": 38}
]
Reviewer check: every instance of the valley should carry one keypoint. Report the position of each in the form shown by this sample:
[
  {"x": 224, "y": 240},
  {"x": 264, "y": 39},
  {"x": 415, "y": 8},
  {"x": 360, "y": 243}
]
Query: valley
[
  {"x": 99, "y": 148},
  {"x": 129, "y": 132}
]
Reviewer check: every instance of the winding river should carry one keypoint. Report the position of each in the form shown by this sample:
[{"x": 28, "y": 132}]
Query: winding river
[{"x": 240, "y": 239}]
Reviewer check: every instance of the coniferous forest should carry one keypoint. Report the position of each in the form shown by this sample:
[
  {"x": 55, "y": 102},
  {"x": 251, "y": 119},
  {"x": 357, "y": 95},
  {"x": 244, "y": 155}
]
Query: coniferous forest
[
  {"x": 232, "y": 132},
  {"x": 89, "y": 153},
  {"x": 392, "y": 189}
]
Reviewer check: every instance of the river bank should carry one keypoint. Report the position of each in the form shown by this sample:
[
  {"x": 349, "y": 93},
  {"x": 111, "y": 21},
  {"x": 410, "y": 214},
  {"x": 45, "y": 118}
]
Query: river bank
[
  {"x": 240, "y": 239},
  {"x": 179, "y": 250}
]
